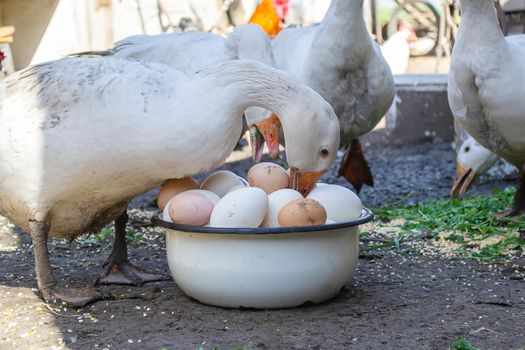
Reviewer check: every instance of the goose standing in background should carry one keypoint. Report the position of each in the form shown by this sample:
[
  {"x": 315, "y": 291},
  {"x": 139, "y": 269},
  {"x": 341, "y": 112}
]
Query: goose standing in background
[
  {"x": 339, "y": 60},
  {"x": 190, "y": 52},
  {"x": 81, "y": 137},
  {"x": 486, "y": 89}
]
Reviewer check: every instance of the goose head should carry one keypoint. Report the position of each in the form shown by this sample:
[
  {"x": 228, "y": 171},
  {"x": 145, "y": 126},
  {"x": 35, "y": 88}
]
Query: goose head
[
  {"x": 472, "y": 160},
  {"x": 311, "y": 130},
  {"x": 309, "y": 123}
]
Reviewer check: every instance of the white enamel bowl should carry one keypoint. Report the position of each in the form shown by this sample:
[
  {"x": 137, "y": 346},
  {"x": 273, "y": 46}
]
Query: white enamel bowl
[{"x": 263, "y": 268}]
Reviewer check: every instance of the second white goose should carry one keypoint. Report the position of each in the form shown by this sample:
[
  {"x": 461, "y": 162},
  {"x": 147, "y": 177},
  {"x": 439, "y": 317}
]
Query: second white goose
[
  {"x": 191, "y": 52},
  {"x": 486, "y": 89},
  {"x": 339, "y": 60}
]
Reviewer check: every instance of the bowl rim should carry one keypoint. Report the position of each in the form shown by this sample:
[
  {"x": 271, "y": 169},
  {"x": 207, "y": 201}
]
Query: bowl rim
[{"x": 366, "y": 216}]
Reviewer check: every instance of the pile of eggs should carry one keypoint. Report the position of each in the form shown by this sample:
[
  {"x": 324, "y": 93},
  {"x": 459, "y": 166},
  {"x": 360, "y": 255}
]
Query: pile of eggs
[{"x": 227, "y": 200}]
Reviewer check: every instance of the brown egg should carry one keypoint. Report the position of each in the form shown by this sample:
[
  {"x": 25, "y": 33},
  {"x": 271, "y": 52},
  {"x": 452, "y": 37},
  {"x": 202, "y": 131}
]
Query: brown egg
[
  {"x": 302, "y": 212},
  {"x": 192, "y": 209},
  {"x": 269, "y": 177},
  {"x": 173, "y": 187}
]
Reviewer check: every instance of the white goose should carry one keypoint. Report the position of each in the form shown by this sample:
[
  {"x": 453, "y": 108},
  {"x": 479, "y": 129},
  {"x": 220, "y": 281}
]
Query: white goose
[
  {"x": 81, "y": 137},
  {"x": 486, "y": 88},
  {"x": 339, "y": 60},
  {"x": 190, "y": 52}
]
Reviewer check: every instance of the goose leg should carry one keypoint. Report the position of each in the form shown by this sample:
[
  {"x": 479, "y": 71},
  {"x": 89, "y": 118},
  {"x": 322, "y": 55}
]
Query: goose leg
[
  {"x": 354, "y": 167},
  {"x": 118, "y": 269},
  {"x": 44, "y": 275},
  {"x": 518, "y": 205}
]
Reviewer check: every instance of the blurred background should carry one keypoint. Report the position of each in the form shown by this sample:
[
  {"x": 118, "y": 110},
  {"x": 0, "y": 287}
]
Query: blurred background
[
  {"x": 33, "y": 31},
  {"x": 39, "y": 30}
]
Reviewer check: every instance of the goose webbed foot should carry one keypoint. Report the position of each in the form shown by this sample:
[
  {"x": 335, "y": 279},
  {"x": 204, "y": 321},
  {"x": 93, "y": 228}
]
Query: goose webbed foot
[
  {"x": 354, "y": 167},
  {"x": 127, "y": 273},
  {"x": 47, "y": 286},
  {"x": 73, "y": 297},
  {"x": 117, "y": 268},
  {"x": 511, "y": 214}
]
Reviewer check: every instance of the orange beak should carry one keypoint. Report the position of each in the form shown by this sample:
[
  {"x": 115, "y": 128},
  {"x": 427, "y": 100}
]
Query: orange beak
[
  {"x": 303, "y": 182},
  {"x": 270, "y": 129},
  {"x": 267, "y": 17},
  {"x": 464, "y": 179}
]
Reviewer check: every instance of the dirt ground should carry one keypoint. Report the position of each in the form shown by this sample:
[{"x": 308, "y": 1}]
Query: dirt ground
[{"x": 393, "y": 302}]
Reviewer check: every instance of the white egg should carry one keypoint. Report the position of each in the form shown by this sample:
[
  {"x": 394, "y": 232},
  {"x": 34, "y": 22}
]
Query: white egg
[
  {"x": 276, "y": 201},
  {"x": 221, "y": 181},
  {"x": 340, "y": 203},
  {"x": 245, "y": 207},
  {"x": 235, "y": 188},
  {"x": 329, "y": 222}
]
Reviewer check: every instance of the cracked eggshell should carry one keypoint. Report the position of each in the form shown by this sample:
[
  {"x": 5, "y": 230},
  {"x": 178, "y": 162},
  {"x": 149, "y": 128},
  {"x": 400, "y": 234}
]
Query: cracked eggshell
[
  {"x": 341, "y": 204},
  {"x": 166, "y": 212},
  {"x": 244, "y": 181},
  {"x": 276, "y": 201},
  {"x": 243, "y": 208},
  {"x": 220, "y": 182}
]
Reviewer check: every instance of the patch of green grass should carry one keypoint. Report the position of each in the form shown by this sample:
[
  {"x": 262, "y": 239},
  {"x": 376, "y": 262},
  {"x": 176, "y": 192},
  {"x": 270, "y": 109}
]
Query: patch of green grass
[
  {"x": 134, "y": 236},
  {"x": 470, "y": 220},
  {"x": 104, "y": 233},
  {"x": 108, "y": 233},
  {"x": 461, "y": 343},
  {"x": 131, "y": 235},
  {"x": 95, "y": 238}
]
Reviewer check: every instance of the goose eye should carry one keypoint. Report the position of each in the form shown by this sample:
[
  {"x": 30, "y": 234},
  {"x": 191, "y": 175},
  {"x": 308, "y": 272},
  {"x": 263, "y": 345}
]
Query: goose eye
[
  {"x": 324, "y": 153},
  {"x": 467, "y": 149}
]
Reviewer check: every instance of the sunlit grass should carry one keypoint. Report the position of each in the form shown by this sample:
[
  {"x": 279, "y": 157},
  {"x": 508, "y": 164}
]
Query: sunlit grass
[{"x": 467, "y": 223}]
